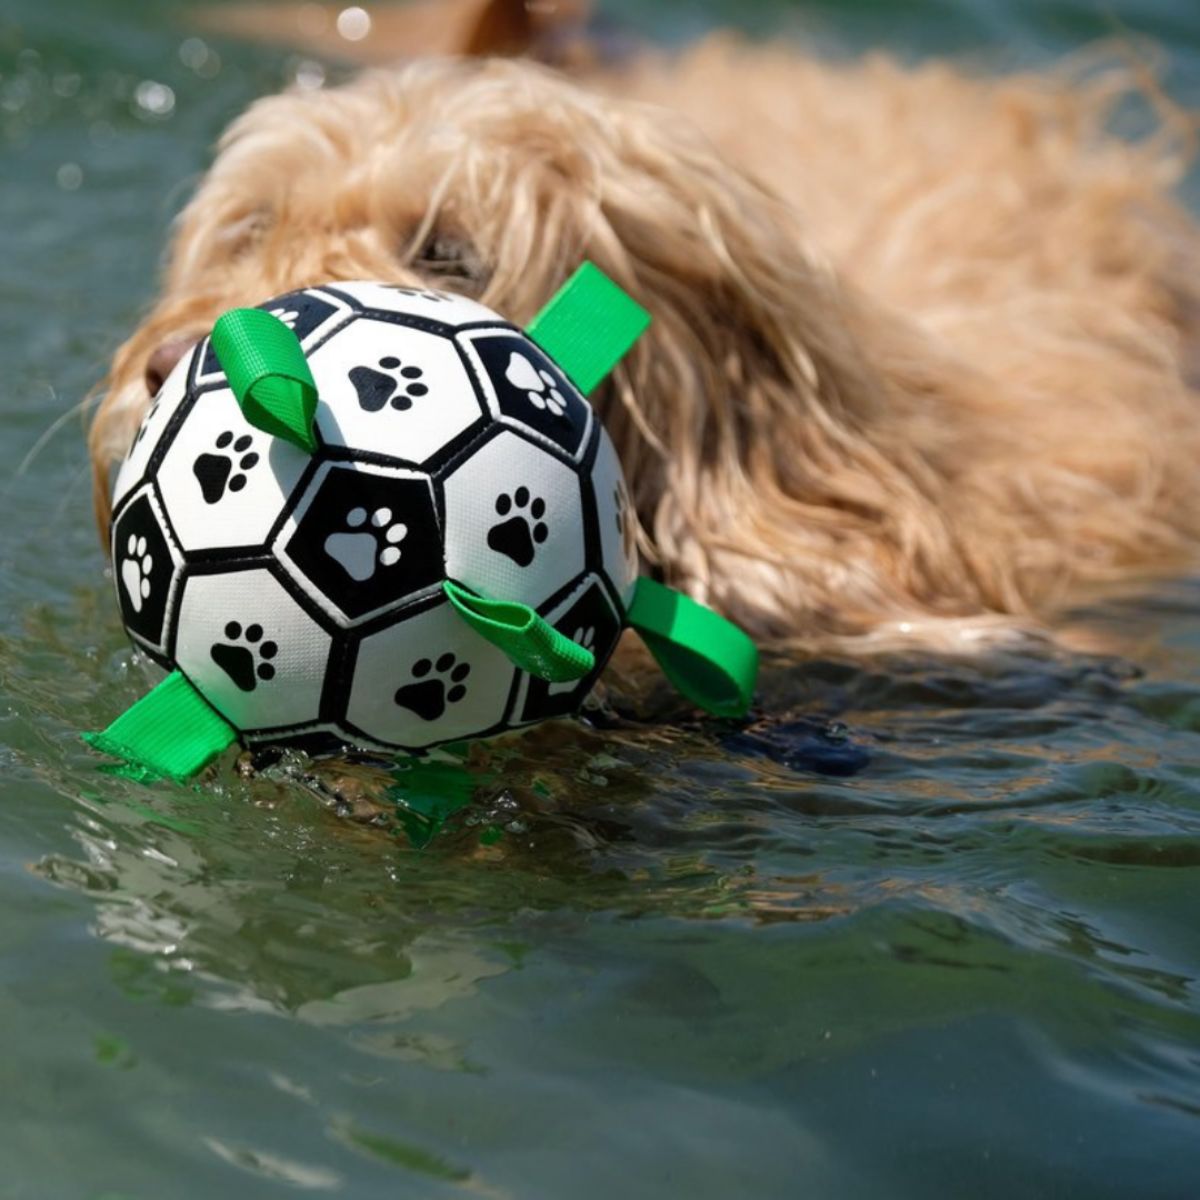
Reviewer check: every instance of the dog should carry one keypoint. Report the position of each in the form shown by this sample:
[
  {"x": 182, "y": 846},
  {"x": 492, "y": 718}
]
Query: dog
[{"x": 923, "y": 351}]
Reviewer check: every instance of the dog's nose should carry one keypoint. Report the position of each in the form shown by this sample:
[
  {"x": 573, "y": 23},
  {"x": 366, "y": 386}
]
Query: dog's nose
[{"x": 163, "y": 359}]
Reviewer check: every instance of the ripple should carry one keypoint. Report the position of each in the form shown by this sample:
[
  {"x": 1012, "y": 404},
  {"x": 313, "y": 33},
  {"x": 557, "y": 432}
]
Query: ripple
[{"x": 275, "y": 1167}]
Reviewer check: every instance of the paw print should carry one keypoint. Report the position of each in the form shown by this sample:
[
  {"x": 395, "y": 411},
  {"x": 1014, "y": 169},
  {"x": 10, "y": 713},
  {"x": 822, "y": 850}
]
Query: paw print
[
  {"x": 289, "y": 316},
  {"x": 135, "y": 571},
  {"x": 359, "y": 550},
  {"x": 521, "y": 534},
  {"x": 398, "y": 387},
  {"x": 585, "y": 638},
  {"x": 435, "y": 685},
  {"x": 422, "y": 293},
  {"x": 216, "y": 473},
  {"x": 540, "y": 387},
  {"x": 245, "y": 664}
]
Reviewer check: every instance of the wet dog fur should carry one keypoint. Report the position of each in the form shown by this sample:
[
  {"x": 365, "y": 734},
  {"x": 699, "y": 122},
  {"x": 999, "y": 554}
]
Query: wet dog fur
[{"x": 923, "y": 343}]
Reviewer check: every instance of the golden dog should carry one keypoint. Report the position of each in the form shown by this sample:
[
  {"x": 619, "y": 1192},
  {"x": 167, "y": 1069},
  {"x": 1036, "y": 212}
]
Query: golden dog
[{"x": 921, "y": 340}]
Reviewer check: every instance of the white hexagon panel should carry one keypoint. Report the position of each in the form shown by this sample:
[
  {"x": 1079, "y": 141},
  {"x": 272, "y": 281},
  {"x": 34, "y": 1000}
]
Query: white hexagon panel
[
  {"x": 223, "y": 482},
  {"x": 514, "y": 521},
  {"x": 146, "y": 565},
  {"x": 257, "y": 657},
  {"x": 446, "y": 307},
  {"x": 393, "y": 389},
  {"x": 618, "y": 535},
  {"x": 154, "y": 424},
  {"x": 428, "y": 678}
]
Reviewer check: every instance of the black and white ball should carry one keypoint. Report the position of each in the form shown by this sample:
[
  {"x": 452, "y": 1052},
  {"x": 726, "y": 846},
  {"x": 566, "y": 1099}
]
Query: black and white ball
[{"x": 302, "y": 594}]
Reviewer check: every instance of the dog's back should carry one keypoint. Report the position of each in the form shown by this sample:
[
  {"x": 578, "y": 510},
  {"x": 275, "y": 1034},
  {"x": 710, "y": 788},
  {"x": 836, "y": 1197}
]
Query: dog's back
[{"x": 921, "y": 340}]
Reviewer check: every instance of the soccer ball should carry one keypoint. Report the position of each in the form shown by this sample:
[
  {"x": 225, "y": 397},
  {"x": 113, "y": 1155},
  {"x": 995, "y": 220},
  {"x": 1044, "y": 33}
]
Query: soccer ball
[{"x": 301, "y": 594}]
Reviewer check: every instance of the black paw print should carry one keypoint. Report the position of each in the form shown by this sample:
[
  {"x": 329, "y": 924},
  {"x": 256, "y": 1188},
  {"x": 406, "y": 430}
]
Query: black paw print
[
  {"x": 215, "y": 472},
  {"x": 435, "y": 297},
  {"x": 428, "y": 697},
  {"x": 399, "y": 388},
  {"x": 521, "y": 534},
  {"x": 239, "y": 661}
]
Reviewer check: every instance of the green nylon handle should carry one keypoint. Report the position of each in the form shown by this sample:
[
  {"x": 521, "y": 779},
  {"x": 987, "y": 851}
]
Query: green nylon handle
[
  {"x": 171, "y": 731},
  {"x": 268, "y": 373},
  {"x": 709, "y": 659},
  {"x": 526, "y": 638},
  {"x": 588, "y": 326}
]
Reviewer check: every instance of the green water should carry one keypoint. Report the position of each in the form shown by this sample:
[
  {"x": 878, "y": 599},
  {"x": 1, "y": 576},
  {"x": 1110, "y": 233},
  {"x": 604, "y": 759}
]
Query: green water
[{"x": 931, "y": 931}]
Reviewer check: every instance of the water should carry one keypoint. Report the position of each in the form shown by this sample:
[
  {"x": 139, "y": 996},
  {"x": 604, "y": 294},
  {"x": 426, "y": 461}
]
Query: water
[{"x": 931, "y": 930}]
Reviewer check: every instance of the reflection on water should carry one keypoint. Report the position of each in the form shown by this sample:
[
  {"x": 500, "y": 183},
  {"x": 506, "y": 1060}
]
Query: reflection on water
[
  {"x": 929, "y": 886},
  {"x": 947, "y": 857}
]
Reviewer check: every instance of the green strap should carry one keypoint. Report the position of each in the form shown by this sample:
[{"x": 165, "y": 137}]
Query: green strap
[
  {"x": 588, "y": 326},
  {"x": 709, "y": 659},
  {"x": 171, "y": 731},
  {"x": 527, "y": 639},
  {"x": 268, "y": 373}
]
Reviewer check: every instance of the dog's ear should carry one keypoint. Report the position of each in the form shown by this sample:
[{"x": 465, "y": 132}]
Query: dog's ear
[{"x": 424, "y": 28}]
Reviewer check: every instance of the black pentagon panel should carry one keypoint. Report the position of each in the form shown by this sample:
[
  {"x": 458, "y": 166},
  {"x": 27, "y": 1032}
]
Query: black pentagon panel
[
  {"x": 590, "y": 520},
  {"x": 364, "y": 539},
  {"x": 146, "y": 567},
  {"x": 420, "y": 308},
  {"x": 526, "y": 389},
  {"x": 314, "y": 740},
  {"x": 586, "y": 617},
  {"x": 304, "y": 313},
  {"x": 162, "y": 418},
  {"x": 266, "y": 747}
]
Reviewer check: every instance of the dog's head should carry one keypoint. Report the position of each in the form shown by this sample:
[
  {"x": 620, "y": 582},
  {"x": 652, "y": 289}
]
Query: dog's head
[{"x": 742, "y": 419}]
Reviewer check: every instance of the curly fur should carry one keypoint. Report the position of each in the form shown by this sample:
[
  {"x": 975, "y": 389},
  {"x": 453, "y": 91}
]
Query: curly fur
[{"x": 921, "y": 340}]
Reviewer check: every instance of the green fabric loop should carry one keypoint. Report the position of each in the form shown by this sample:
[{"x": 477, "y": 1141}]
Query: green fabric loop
[
  {"x": 171, "y": 731},
  {"x": 268, "y": 373},
  {"x": 588, "y": 326},
  {"x": 526, "y": 638},
  {"x": 709, "y": 659}
]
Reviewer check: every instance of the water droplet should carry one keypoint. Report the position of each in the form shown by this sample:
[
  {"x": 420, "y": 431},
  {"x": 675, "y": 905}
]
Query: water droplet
[
  {"x": 66, "y": 84},
  {"x": 354, "y": 23},
  {"x": 193, "y": 52},
  {"x": 309, "y": 75},
  {"x": 154, "y": 98}
]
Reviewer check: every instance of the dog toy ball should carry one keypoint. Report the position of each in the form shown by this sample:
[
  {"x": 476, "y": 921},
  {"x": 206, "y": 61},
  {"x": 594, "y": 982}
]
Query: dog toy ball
[{"x": 377, "y": 516}]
